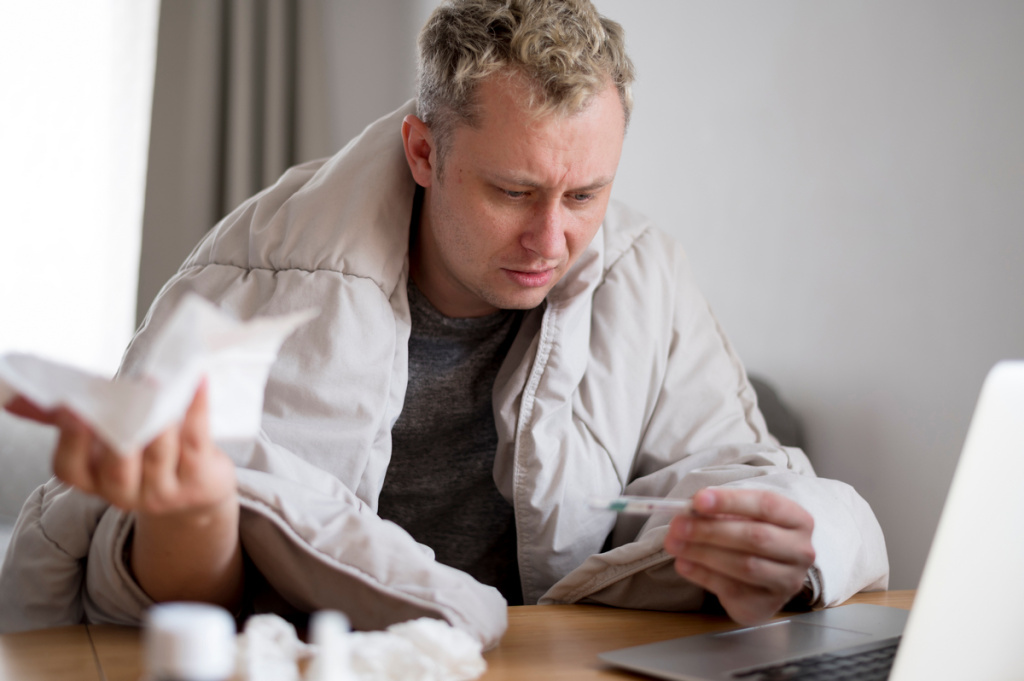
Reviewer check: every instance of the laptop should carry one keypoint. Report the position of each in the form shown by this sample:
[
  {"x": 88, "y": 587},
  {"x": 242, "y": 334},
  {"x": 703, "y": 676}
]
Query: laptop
[{"x": 967, "y": 621}]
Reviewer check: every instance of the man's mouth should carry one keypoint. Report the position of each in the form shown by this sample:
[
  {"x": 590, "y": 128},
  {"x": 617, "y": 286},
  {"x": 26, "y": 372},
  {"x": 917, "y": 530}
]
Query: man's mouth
[{"x": 530, "y": 278}]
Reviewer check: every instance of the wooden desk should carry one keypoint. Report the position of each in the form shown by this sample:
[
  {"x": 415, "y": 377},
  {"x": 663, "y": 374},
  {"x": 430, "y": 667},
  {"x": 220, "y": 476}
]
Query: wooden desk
[
  {"x": 558, "y": 642},
  {"x": 561, "y": 642},
  {"x": 48, "y": 655}
]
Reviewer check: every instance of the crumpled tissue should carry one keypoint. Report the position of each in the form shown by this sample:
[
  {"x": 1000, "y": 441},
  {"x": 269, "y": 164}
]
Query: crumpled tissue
[
  {"x": 198, "y": 340},
  {"x": 424, "y": 649}
]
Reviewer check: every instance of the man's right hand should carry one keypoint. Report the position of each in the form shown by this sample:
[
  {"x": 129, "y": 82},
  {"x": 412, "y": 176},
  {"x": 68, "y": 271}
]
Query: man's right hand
[{"x": 182, "y": 490}]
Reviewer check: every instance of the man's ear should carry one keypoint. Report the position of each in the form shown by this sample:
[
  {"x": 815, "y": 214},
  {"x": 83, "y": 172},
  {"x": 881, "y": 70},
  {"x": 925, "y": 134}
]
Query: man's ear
[{"x": 419, "y": 147}]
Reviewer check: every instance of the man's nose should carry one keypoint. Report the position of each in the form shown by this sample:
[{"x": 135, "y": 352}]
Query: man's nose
[{"x": 545, "y": 235}]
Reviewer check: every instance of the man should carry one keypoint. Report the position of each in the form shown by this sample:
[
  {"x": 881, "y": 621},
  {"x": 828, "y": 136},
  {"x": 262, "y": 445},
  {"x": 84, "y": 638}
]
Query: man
[{"x": 497, "y": 344}]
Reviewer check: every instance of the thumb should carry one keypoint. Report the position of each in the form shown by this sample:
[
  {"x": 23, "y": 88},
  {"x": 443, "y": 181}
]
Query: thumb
[
  {"x": 195, "y": 430},
  {"x": 26, "y": 409}
]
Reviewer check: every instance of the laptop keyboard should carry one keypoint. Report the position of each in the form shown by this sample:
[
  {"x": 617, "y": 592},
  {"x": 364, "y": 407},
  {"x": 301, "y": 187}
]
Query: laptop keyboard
[{"x": 864, "y": 665}]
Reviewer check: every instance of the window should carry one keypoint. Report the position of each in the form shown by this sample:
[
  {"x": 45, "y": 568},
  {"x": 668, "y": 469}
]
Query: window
[{"x": 77, "y": 81}]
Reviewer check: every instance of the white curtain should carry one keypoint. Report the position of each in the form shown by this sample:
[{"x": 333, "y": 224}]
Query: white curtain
[{"x": 77, "y": 82}]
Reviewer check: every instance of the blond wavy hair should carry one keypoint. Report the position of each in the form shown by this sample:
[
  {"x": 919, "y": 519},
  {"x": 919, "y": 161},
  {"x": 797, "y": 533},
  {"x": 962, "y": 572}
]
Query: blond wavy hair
[{"x": 564, "y": 49}]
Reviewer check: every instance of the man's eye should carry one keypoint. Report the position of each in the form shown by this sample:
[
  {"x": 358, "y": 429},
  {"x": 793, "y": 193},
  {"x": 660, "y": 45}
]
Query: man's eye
[
  {"x": 513, "y": 194},
  {"x": 582, "y": 198}
]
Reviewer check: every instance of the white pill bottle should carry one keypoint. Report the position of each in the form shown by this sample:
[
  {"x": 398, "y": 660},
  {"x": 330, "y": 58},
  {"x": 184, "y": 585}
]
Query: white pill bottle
[{"x": 189, "y": 642}]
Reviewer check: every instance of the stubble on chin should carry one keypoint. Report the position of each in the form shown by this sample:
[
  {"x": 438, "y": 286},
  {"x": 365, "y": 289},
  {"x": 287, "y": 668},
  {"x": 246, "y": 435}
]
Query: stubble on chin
[{"x": 513, "y": 297}]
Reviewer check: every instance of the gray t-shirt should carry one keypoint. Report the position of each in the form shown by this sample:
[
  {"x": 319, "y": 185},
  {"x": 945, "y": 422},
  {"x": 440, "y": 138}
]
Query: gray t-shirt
[{"x": 440, "y": 485}]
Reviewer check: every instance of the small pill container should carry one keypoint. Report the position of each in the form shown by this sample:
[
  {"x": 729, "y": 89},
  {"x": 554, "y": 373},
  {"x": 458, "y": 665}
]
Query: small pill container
[{"x": 189, "y": 642}]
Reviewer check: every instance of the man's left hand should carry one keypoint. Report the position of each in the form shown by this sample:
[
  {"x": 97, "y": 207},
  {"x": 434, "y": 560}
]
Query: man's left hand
[{"x": 751, "y": 548}]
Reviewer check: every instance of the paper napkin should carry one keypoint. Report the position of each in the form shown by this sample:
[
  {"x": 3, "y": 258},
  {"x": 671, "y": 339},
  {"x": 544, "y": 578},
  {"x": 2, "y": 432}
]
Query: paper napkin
[{"x": 198, "y": 340}]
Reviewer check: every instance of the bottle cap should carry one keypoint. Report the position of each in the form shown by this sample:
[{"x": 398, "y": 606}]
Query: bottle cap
[
  {"x": 326, "y": 627},
  {"x": 328, "y": 631},
  {"x": 189, "y": 642}
]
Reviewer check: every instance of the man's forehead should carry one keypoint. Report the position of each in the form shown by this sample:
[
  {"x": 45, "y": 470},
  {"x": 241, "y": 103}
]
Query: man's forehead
[{"x": 512, "y": 93}]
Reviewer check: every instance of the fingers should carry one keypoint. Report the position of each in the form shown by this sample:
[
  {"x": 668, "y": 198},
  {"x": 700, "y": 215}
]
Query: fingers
[
  {"x": 751, "y": 548},
  {"x": 72, "y": 458},
  {"x": 750, "y": 569},
  {"x": 195, "y": 431},
  {"x": 758, "y": 524},
  {"x": 184, "y": 470},
  {"x": 756, "y": 538},
  {"x": 199, "y": 456},
  {"x": 744, "y": 603},
  {"x": 173, "y": 463},
  {"x": 22, "y": 407},
  {"x": 116, "y": 477},
  {"x": 753, "y": 523},
  {"x": 181, "y": 470},
  {"x": 755, "y": 504},
  {"x": 159, "y": 485},
  {"x": 83, "y": 461}
]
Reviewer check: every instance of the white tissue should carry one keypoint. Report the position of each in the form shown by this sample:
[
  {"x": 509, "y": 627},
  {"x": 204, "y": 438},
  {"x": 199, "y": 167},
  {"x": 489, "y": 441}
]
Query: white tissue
[
  {"x": 198, "y": 340},
  {"x": 454, "y": 654},
  {"x": 418, "y": 650},
  {"x": 269, "y": 650}
]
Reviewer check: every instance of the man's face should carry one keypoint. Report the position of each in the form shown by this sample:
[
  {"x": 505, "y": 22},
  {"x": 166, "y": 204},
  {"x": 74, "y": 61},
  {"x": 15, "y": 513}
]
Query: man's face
[{"x": 519, "y": 200}]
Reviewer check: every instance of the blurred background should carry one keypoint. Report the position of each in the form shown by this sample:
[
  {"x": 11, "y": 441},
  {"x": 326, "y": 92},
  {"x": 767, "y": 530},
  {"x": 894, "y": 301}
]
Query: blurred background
[{"x": 846, "y": 176}]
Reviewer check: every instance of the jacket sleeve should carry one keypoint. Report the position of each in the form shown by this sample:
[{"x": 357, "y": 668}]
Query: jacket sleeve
[
  {"x": 700, "y": 427},
  {"x": 320, "y": 547},
  {"x": 314, "y": 543},
  {"x": 43, "y": 571}
]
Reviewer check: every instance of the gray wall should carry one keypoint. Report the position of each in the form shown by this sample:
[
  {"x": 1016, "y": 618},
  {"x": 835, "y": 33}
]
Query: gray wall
[
  {"x": 371, "y": 44},
  {"x": 847, "y": 178}
]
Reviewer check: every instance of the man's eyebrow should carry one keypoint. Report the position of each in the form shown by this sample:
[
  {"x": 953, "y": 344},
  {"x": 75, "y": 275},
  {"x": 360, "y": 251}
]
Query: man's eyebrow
[{"x": 599, "y": 183}]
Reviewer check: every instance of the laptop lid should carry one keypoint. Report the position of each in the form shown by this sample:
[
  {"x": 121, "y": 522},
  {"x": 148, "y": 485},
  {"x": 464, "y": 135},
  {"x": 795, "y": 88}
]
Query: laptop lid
[{"x": 968, "y": 616}]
